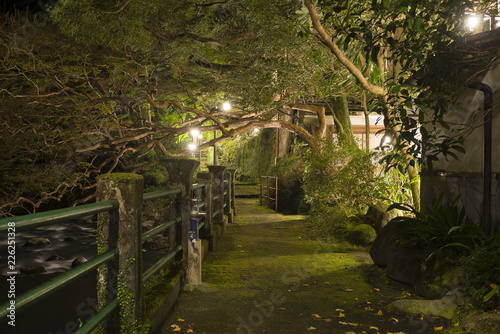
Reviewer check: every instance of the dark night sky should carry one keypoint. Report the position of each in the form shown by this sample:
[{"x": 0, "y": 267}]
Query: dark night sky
[{"x": 8, "y": 5}]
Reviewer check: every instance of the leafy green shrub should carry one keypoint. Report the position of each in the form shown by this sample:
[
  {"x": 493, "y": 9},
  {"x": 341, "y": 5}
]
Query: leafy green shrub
[
  {"x": 362, "y": 234},
  {"x": 155, "y": 179},
  {"x": 290, "y": 172},
  {"x": 481, "y": 273},
  {"x": 442, "y": 226},
  {"x": 251, "y": 154},
  {"x": 330, "y": 222},
  {"x": 340, "y": 183}
]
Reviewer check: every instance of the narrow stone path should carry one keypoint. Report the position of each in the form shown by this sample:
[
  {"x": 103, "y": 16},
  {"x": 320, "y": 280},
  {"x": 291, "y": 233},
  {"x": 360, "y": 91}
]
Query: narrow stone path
[{"x": 267, "y": 276}]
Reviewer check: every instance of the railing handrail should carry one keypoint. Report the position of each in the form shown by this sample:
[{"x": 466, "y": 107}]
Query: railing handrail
[
  {"x": 31, "y": 221},
  {"x": 43, "y": 290},
  {"x": 268, "y": 187}
]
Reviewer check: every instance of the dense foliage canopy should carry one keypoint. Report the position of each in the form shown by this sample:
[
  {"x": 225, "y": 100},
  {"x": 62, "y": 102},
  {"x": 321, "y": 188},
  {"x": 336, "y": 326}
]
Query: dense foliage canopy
[{"x": 91, "y": 87}]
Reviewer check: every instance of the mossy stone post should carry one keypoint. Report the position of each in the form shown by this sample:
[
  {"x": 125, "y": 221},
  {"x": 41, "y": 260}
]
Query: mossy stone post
[
  {"x": 207, "y": 231},
  {"x": 121, "y": 229},
  {"x": 181, "y": 176},
  {"x": 206, "y": 196},
  {"x": 228, "y": 196},
  {"x": 218, "y": 195},
  {"x": 232, "y": 182}
]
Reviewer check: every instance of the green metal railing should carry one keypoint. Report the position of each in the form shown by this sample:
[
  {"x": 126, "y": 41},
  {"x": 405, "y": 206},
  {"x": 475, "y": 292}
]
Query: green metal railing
[{"x": 28, "y": 222}]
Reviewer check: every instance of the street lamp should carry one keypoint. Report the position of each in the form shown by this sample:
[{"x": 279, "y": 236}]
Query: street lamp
[{"x": 226, "y": 106}]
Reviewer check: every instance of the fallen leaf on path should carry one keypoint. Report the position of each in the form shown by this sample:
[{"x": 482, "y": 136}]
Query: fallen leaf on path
[
  {"x": 493, "y": 285},
  {"x": 348, "y": 323},
  {"x": 242, "y": 251},
  {"x": 374, "y": 328},
  {"x": 311, "y": 328},
  {"x": 341, "y": 315},
  {"x": 375, "y": 289},
  {"x": 190, "y": 331},
  {"x": 281, "y": 308},
  {"x": 380, "y": 312},
  {"x": 394, "y": 320},
  {"x": 176, "y": 328},
  {"x": 437, "y": 329},
  {"x": 305, "y": 284},
  {"x": 339, "y": 310},
  {"x": 316, "y": 316},
  {"x": 180, "y": 320},
  {"x": 349, "y": 332},
  {"x": 368, "y": 308},
  {"x": 348, "y": 290}
]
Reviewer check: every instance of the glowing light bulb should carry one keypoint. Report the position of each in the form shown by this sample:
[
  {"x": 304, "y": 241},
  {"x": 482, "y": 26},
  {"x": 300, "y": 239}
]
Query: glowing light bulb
[{"x": 195, "y": 133}]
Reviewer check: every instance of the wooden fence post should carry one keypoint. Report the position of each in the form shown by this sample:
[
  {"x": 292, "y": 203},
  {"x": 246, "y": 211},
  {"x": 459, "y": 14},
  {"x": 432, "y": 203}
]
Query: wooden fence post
[{"x": 122, "y": 229}]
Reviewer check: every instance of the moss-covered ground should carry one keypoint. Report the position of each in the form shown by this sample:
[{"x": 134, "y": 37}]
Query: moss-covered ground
[{"x": 268, "y": 276}]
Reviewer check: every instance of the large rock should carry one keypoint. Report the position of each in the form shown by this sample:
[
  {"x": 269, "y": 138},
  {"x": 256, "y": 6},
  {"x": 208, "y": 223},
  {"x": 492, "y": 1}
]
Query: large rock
[
  {"x": 362, "y": 234},
  {"x": 378, "y": 217},
  {"x": 444, "y": 307},
  {"x": 79, "y": 260},
  {"x": 37, "y": 242},
  {"x": 386, "y": 242},
  {"x": 404, "y": 262},
  {"x": 38, "y": 268},
  {"x": 483, "y": 323}
]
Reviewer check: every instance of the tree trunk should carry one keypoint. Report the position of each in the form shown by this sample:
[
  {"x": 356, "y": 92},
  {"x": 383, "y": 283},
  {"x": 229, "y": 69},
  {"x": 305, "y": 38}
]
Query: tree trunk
[
  {"x": 367, "y": 122},
  {"x": 342, "y": 121}
]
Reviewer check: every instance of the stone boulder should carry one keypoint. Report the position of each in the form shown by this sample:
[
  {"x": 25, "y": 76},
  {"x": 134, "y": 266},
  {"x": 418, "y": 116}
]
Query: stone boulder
[
  {"x": 78, "y": 261},
  {"x": 362, "y": 234},
  {"x": 403, "y": 262},
  {"x": 444, "y": 307},
  {"x": 38, "y": 268},
  {"x": 386, "y": 242},
  {"x": 483, "y": 323},
  {"x": 378, "y": 217},
  {"x": 37, "y": 242}
]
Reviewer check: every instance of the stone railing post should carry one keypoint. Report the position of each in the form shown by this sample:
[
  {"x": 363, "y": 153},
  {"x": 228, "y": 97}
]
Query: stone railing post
[
  {"x": 218, "y": 195},
  {"x": 121, "y": 229},
  {"x": 232, "y": 183},
  {"x": 180, "y": 175},
  {"x": 206, "y": 196},
  {"x": 228, "y": 196}
]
